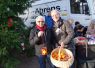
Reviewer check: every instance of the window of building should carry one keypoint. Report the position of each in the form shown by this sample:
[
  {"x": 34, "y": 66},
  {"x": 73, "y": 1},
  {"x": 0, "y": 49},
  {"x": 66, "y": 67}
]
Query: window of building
[{"x": 79, "y": 7}]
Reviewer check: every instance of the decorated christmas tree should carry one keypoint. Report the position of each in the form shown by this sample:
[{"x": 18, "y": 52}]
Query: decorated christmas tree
[{"x": 13, "y": 34}]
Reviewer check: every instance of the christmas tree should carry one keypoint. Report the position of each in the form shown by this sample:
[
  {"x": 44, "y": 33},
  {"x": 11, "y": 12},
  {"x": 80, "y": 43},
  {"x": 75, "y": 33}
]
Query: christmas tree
[{"x": 13, "y": 35}]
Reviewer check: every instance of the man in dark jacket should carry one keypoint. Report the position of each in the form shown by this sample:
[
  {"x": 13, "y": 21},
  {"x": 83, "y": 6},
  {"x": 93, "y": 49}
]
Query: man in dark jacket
[{"x": 63, "y": 31}]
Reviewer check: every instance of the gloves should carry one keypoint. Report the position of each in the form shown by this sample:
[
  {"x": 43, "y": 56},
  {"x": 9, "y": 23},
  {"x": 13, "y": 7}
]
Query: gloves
[{"x": 40, "y": 33}]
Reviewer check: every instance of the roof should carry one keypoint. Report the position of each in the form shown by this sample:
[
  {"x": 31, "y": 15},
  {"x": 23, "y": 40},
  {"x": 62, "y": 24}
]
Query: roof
[{"x": 42, "y": 1}]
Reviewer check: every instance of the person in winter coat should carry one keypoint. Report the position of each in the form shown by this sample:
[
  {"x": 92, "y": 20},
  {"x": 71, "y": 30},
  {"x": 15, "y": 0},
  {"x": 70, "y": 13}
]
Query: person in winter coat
[
  {"x": 49, "y": 21},
  {"x": 79, "y": 29},
  {"x": 76, "y": 24},
  {"x": 91, "y": 28},
  {"x": 86, "y": 53},
  {"x": 63, "y": 31},
  {"x": 39, "y": 39},
  {"x": 71, "y": 22}
]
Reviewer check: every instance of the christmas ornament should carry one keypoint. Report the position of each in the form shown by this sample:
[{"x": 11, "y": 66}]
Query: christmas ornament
[{"x": 10, "y": 22}]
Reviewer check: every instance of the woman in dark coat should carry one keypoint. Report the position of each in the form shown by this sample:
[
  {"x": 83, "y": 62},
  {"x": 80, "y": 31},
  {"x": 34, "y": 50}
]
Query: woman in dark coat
[{"x": 39, "y": 38}]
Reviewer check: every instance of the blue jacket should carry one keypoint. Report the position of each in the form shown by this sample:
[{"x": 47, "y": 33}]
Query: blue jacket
[{"x": 49, "y": 22}]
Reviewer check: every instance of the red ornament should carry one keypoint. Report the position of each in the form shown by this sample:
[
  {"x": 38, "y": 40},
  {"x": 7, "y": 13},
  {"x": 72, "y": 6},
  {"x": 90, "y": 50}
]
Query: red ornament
[
  {"x": 10, "y": 20},
  {"x": 10, "y": 24}
]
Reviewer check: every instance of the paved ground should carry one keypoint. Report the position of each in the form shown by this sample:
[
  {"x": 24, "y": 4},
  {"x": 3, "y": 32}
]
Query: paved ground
[{"x": 29, "y": 63}]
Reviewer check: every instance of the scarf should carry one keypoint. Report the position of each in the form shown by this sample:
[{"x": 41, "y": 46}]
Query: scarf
[{"x": 41, "y": 28}]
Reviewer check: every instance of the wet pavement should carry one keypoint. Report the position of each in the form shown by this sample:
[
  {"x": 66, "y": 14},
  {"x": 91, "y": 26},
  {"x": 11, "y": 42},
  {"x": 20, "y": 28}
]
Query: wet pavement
[{"x": 27, "y": 62}]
